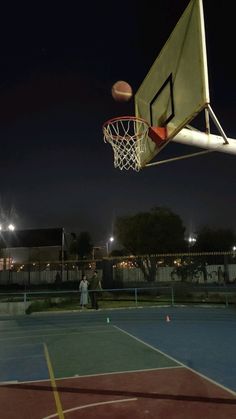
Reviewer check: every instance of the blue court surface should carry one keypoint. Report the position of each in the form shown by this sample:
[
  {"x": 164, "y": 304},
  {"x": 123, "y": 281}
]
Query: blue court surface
[{"x": 163, "y": 354}]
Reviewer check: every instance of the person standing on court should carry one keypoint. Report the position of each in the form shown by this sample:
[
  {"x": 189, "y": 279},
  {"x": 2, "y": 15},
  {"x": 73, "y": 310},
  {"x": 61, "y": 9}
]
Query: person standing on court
[
  {"x": 83, "y": 288},
  {"x": 94, "y": 285}
]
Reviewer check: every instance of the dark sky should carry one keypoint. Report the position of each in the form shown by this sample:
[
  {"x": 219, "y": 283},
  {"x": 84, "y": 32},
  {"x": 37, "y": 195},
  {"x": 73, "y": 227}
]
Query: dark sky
[{"x": 58, "y": 64}]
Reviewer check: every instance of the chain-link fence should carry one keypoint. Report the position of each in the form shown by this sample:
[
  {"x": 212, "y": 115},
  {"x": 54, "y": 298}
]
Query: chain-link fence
[
  {"x": 198, "y": 269},
  {"x": 186, "y": 278}
]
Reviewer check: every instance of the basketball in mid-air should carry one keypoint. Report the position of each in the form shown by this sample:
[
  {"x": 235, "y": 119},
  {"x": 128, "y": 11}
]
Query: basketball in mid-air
[{"x": 121, "y": 91}]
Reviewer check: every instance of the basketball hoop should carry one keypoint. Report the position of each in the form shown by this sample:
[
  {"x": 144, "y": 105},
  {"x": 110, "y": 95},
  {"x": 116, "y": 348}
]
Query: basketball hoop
[{"x": 127, "y": 136}]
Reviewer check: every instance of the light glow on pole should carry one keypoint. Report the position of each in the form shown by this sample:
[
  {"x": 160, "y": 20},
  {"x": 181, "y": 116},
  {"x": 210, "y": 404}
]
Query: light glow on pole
[
  {"x": 10, "y": 227},
  {"x": 110, "y": 240}
]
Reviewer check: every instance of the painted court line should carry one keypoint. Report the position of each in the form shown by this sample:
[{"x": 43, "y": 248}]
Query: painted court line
[
  {"x": 117, "y": 372},
  {"x": 53, "y": 384},
  {"x": 46, "y": 328},
  {"x": 43, "y": 335},
  {"x": 23, "y": 344},
  {"x": 21, "y": 357},
  {"x": 178, "y": 362},
  {"x": 4, "y": 383},
  {"x": 76, "y": 376},
  {"x": 86, "y": 406}
]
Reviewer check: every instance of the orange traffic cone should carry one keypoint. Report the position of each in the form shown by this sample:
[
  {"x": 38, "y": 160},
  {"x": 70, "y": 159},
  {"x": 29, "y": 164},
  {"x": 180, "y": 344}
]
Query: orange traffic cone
[{"x": 167, "y": 318}]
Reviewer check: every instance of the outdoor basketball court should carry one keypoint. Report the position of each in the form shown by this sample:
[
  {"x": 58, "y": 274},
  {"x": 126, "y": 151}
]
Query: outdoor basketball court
[
  {"x": 133, "y": 363},
  {"x": 119, "y": 363}
]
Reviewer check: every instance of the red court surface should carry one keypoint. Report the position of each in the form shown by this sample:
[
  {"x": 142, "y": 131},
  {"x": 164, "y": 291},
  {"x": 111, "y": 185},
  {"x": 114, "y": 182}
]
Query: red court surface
[{"x": 158, "y": 394}]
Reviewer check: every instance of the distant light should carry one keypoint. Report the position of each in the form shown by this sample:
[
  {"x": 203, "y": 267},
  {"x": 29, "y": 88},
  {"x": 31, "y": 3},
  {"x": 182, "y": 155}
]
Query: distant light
[
  {"x": 0, "y": 227},
  {"x": 191, "y": 239},
  {"x": 234, "y": 248},
  {"x": 111, "y": 239},
  {"x": 11, "y": 227}
]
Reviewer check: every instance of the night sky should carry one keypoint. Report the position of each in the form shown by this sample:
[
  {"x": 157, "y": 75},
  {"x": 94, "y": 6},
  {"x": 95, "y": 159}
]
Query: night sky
[{"x": 58, "y": 64}]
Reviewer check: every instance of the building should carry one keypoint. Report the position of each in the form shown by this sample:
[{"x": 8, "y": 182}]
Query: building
[{"x": 22, "y": 246}]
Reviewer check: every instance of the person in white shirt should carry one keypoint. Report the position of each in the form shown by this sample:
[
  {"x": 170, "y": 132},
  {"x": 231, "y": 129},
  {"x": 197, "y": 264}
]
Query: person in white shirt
[{"x": 83, "y": 288}]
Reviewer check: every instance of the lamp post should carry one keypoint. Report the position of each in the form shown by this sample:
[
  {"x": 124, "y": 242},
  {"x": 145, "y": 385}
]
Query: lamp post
[
  {"x": 234, "y": 251},
  {"x": 110, "y": 240}
]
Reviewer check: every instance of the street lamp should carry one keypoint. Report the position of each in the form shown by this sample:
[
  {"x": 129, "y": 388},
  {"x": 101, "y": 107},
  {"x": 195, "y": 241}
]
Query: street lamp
[
  {"x": 10, "y": 227},
  {"x": 110, "y": 240},
  {"x": 234, "y": 251},
  {"x": 191, "y": 241}
]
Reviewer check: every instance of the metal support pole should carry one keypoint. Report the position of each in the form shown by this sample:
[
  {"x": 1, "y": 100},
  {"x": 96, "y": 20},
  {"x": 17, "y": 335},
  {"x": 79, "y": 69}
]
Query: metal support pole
[
  {"x": 62, "y": 253},
  {"x": 172, "y": 296},
  {"x": 25, "y": 299},
  {"x": 136, "y": 296}
]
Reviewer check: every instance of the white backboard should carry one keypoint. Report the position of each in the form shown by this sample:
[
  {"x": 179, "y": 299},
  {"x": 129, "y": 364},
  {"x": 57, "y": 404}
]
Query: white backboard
[{"x": 176, "y": 88}]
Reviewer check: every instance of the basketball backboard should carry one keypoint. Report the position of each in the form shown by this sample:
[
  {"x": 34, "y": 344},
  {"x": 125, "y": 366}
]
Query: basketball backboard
[{"x": 176, "y": 88}]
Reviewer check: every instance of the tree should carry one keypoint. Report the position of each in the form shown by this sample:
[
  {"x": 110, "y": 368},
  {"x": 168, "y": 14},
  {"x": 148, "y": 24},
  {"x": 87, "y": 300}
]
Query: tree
[
  {"x": 81, "y": 245},
  {"x": 215, "y": 240},
  {"x": 73, "y": 245},
  {"x": 118, "y": 252},
  {"x": 84, "y": 245},
  {"x": 148, "y": 233}
]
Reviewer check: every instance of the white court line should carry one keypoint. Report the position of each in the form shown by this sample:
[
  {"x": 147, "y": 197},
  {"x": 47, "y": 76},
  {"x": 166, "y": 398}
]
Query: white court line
[
  {"x": 85, "y": 406},
  {"x": 76, "y": 376},
  {"x": 49, "y": 327},
  {"x": 118, "y": 372},
  {"x": 21, "y": 357},
  {"x": 178, "y": 362},
  {"x": 52, "y": 334},
  {"x": 4, "y": 383},
  {"x": 26, "y": 344}
]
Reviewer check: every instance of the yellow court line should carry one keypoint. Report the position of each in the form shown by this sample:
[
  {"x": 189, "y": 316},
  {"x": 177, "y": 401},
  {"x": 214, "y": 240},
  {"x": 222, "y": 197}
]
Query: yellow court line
[{"x": 53, "y": 384}]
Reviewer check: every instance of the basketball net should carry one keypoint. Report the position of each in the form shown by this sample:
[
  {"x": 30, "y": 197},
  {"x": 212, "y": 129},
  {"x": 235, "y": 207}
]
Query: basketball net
[{"x": 127, "y": 136}]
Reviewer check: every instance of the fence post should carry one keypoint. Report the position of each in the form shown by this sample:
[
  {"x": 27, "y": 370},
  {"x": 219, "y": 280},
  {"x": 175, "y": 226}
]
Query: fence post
[
  {"x": 136, "y": 296},
  {"x": 29, "y": 278},
  {"x": 172, "y": 296},
  {"x": 226, "y": 298},
  {"x": 25, "y": 301}
]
